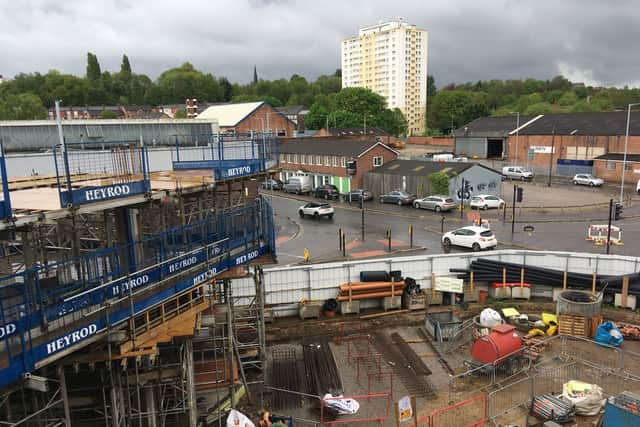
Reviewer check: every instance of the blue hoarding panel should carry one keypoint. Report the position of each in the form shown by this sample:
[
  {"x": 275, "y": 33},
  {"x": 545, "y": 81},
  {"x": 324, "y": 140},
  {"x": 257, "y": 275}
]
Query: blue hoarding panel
[{"x": 86, "y": 195}]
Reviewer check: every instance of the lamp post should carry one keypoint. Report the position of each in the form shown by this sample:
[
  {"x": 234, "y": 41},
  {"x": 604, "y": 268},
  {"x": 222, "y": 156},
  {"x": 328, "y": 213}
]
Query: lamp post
[
  {"x": 517, "y": 133},
  {"x": 624, "y": 158}
]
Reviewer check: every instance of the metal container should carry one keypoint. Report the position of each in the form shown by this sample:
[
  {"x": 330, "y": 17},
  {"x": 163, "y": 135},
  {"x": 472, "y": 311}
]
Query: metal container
[
  {"x": 503, "y": 340},
  {"x": 579, "y": 303},
  {"x": 442, "y": 326}
]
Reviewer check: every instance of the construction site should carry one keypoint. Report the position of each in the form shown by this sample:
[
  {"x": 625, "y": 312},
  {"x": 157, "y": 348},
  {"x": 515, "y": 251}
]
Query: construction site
[{"x": 131, "y": 298}]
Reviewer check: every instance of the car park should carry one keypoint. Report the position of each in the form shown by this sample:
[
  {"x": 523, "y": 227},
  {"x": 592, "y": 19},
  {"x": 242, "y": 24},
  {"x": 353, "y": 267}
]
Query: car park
[
  {"x": 326, "y": 192},
  {"x": 587, "y": 179},
  {"x": 316, "y": 210},
  {"x": 272, "y": 184},
  {"x": 517, "y": 172},
  {"x": 486, "y": 201},
  {"x": 435, "y": 203},
  {"x": 356, "y": 194},
  {"x": 474, "y": 237},
  {"x": 397, "y": 197}
]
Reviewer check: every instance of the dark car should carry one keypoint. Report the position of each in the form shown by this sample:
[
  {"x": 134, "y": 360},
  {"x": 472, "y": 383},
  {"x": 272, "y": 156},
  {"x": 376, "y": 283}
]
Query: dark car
[
  {"x": 272, "y": 184},
  {"x": 326, "y": 192},
  {"x": 356, "y": 194},
  {"x": 397, "y": 197}
]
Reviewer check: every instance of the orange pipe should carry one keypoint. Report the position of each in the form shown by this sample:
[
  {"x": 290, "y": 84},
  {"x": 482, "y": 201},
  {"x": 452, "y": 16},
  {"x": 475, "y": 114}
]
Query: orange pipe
[
  {"x": 357, "y": 286},
  {"x": 369, "y": 295}
]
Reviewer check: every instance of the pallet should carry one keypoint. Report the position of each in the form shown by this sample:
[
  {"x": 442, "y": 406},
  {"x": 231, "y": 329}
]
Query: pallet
[{"x": 578, "y": 326}]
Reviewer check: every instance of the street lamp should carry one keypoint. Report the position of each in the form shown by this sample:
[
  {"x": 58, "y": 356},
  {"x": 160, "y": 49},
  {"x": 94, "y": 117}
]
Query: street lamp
[
  {"x": 624, "y": 158},
  {"x": 517, "y": 132}
]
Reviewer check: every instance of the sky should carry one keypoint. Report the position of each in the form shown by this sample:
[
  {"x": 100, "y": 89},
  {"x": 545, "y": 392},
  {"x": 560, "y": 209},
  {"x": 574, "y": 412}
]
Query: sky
[{"x": 590, "y": 41}]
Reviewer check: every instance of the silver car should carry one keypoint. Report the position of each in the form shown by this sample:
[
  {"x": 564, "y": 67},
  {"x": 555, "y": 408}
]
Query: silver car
[
  {"x": 435, "y": 203},
  {"x": 587, "y": 179}
]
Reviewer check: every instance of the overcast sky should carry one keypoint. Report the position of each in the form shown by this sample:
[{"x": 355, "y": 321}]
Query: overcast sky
[{"x": 593, "y": 41}]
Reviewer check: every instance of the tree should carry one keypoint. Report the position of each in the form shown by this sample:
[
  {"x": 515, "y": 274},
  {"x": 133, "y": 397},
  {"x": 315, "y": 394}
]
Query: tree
[
  {"x": 125, "y": 67},
  {"x": 439, "y": 183},
  {"x": 24, "y": 106},
  {"x": 318, "y": 116},
  {"x": 108, "y": 114},
  {"x": 93, "y": 67},
  {"x": 453, "y": 108},
  {"x": 180, "y": 114},
  {"x": 227, "y": 89}
]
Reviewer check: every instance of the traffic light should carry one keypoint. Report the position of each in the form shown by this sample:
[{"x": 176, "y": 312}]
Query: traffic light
[
  {"x": 617, "y": 211},
  {"x": 519, "y": 194}
]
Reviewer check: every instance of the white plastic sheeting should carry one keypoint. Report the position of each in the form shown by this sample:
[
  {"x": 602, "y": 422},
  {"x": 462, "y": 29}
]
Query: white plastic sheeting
[{"x": 285, "y": 286}]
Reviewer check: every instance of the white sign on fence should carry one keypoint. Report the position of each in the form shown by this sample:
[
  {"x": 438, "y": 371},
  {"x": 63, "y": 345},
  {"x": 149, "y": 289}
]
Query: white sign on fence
[
  {"x": 449, "y": 284},
  {"x": 404, "y": 409}
]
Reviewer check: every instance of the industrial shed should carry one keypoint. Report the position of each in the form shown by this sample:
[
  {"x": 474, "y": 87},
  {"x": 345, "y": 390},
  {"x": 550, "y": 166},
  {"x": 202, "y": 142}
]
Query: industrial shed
[
  {"x": 39, "y": 135},
  {"x": 413, "y": 176},
  {"x": 487, "y": 137}
]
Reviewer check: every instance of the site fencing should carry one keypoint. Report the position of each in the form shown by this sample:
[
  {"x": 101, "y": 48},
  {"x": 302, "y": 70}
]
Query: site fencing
[
  {"x": 5, "y": 199},
  {"x": 467, "y": 413},
  {"x": 89, "y": 171}
]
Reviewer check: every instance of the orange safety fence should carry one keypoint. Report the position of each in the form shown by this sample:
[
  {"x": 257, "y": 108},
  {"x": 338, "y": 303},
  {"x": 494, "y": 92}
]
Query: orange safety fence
[{"x": 471, "y": 412}]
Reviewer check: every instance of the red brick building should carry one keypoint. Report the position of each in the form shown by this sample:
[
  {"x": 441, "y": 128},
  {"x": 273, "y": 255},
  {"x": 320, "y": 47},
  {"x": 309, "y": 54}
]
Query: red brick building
[
  {"x": 545, "y": 140},
  {"x": 326, "y": 159},
  {"x": 249, "y": 117}
]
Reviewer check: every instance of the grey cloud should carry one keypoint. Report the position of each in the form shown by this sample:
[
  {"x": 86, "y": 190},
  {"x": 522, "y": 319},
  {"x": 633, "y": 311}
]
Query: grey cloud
[{"x": 469, "y": 40}]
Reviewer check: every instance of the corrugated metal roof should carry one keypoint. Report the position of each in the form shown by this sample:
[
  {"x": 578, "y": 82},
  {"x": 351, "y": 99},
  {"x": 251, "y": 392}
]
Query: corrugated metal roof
[
  {"x": 229, "y": 115},
  {"x": 425, "y": 168},
  {"x": 619, "y": 157}
]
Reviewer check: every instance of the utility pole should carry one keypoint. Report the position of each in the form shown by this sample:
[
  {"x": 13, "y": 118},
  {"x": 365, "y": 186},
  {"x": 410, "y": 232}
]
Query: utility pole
[
  {"x": 362, "y": 214},
  {"x": 609, "y": 227},
  {"x": 513, "y": 209},
  {"x": 553, "y": 137}
]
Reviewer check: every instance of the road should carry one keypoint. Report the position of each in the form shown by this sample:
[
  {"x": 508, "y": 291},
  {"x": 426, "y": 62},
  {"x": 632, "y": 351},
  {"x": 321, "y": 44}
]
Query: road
[{"x": 559, "y": 228}]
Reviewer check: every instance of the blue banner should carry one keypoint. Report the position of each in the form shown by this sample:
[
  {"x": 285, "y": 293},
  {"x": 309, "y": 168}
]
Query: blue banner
[
  {"x": 223, "y": 169},
  {"x": 81, "y": 196}
]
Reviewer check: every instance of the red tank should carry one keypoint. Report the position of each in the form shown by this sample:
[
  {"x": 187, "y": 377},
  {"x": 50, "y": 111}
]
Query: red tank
[{"x": 502, "y": 341}]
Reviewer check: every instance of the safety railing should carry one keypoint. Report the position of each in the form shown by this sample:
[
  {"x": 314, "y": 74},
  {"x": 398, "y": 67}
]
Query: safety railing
[
  {"x": 90, "y": 172},
  {"x": 36, "y": 303},
  {"x": 5, "y": 199},
  {"x": 229, "y": 156}
]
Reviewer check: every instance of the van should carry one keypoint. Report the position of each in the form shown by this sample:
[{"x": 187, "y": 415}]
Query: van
[
  {"x": 517, "y": 172},
  {"x": 298, "y": 184}
]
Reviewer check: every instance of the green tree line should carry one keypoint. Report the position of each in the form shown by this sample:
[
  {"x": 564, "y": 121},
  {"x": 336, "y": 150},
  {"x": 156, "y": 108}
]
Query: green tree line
[
  {"x": 457, "y": 104},
  {"x": 28, "y": 96}
]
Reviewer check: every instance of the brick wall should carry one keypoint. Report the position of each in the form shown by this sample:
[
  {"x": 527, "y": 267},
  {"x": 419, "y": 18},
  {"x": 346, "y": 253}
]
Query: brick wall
[
  {"x": 563, "y": 146},
  {"x": 265, "y": 117},
  {"x": 631, "y": 176},
  {"x": 430, "y": 140}
]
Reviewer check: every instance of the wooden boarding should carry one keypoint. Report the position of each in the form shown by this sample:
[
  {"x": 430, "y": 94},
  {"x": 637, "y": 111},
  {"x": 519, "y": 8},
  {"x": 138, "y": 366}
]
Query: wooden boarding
[{"x": 38, "y": 199}]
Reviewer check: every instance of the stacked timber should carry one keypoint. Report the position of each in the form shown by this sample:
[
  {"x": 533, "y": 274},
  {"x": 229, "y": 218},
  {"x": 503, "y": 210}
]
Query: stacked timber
[{"x": 365, "y": 290}]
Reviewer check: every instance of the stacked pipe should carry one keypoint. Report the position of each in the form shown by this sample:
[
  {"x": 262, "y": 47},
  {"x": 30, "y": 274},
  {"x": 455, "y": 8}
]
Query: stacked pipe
[
  {"x": 365, "y": 290},
  {"x": 549, "y": 407},
  {"x": 485, "y": 270}
]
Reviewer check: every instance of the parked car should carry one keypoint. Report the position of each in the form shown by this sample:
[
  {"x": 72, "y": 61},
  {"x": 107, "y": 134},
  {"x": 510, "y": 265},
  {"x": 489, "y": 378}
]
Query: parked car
[
  {"x": 517, "y": 172},
  {"x": 316, "y": 210},
  {"x": 587, "y": 179},
  {"x": 435, "y": 203},
  {"x": 272, "y": 184},
  {"x": 326, "y": 192},
  {"x": 397, "y": 197},
  {"x": 486, "y": 201},
  {"x": 474, "y": 237},
  {"x": 638, "y": 187},
  {"x": 356, "y": 194},
  {"x": 298, "y": 184}
]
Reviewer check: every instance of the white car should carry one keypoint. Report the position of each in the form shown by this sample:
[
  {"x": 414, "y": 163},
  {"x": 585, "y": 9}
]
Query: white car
[
  {"x": 486, "y": 201},
  {"x": 638, "y": 187},
  {"x": 476, "y": 238},
  {"x": 587, "y": 179},
  {"x": 316, "y": 210}
]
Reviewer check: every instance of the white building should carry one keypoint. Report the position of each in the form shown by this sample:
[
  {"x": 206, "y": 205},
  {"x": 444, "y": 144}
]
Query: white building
[{"x": 390, "y": 59}]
